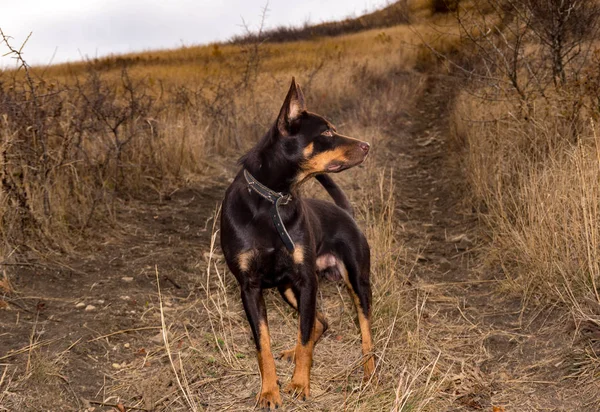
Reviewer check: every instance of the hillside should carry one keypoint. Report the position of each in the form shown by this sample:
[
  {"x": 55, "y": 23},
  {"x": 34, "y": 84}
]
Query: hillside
[
  {"x": 114, "y": 293},
  {"x": 194, "y": 64},
  {"x": 392, "y": 15}
]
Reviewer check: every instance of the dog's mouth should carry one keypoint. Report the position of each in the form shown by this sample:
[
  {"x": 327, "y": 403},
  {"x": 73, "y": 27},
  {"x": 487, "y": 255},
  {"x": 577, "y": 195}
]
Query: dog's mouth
[
  {"x": 338, "y": 165},
  {"x": 335, "y": 167}
]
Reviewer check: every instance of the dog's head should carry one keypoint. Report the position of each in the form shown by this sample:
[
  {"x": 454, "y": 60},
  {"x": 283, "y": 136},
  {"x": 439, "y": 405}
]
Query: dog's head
[{"x": 312, "y": 142}]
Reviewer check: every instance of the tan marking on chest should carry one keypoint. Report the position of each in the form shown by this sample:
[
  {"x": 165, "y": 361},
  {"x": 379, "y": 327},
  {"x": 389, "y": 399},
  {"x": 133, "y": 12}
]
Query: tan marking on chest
[{"x": 298, "y": 254}]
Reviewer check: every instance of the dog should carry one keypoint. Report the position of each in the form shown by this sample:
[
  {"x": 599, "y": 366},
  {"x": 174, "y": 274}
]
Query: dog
[{"x": 271, "y": 237}]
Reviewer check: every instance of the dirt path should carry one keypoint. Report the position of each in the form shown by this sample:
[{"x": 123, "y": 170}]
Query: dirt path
[
  {"x": 71, "y": 328},
  {"x": 91, "y": 329},
  {"x": 503, "y": 355}
]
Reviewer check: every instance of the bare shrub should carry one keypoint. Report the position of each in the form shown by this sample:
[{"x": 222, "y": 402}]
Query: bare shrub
[
  {"x": 525, "y": 48},
  {"x": 563, "y": 28},
  {"x": 68, "y": 150}
]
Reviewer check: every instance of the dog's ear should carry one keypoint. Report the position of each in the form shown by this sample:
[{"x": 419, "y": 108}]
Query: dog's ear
[{"x": 292, "y": 108}]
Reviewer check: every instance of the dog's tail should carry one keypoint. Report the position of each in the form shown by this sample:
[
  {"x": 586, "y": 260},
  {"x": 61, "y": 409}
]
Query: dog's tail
[{"x": 336, "y": 193}]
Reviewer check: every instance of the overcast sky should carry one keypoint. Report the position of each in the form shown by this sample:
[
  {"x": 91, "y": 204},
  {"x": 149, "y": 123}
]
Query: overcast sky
[{"x": 72, "y": 29}]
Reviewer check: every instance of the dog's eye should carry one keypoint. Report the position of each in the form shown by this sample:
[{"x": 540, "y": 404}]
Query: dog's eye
[{"x": 327, "y": 133}]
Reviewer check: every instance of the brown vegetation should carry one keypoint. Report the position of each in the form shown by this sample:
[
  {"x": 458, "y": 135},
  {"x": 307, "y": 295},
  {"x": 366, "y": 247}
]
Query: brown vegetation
[
  {"x": 528, "y": 121},
  {"x": 113, "y": 294}
]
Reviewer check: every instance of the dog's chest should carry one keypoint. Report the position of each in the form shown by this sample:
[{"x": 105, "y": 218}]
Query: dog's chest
[{"x": 276, "y": 267}]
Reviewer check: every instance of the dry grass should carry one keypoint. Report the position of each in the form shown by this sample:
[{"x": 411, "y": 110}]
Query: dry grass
[
  {"x": 209, "y": 104},
  {"x": 540, "y": 190},
  {"x": 536, "y": 182}
]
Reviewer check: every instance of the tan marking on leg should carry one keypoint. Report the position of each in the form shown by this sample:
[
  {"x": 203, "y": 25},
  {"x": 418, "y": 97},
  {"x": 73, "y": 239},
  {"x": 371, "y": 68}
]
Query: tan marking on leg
[
  {"x": 367, "y": 343},
  {"x": 289, "y": 295},
  {"x": 344, "y": 273},
  {"x": 289, "y": 354},
  {"x": 365, "y": 327},
  {"x": 298, "y": 254},
  {"x": 245, "y": 259},
  {"x": 320, "y": 327},
  {"x": 269, "y": 396},
  {"x": 300, "y": 383}
]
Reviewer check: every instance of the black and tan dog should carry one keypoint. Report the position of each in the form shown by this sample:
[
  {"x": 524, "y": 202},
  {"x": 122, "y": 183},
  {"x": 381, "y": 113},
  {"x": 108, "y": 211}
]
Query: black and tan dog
[{"x": 271, "y": 237}]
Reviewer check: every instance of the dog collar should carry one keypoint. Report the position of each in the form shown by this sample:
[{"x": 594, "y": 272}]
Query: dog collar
[{"x": 276, "y": 199}]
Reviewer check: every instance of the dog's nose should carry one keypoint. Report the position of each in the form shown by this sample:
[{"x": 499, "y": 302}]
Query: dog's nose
[{"x": 364, "y": 146}]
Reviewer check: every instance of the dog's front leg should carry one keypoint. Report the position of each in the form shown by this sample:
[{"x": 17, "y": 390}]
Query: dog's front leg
[
  {"x": 306, "y": 291},
  {"x": 254, "y": 305}
]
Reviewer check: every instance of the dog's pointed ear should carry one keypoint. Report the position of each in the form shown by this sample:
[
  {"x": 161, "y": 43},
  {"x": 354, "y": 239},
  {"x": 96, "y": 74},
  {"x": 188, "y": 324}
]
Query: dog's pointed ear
[{"x": 292, "y": 108}]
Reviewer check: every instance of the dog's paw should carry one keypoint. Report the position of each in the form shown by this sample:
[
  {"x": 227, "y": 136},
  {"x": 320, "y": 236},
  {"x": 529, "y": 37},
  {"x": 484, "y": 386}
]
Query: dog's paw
[
  {"x": 269, "y": 399},
  {"x": 298, "y": 389},
  {"x": 288, "y": 355}
]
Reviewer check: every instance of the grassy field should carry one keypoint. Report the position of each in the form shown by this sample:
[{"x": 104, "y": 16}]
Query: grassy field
[
  {"x": 479, "y": 202},
  {"x": 128, "y": 124}
]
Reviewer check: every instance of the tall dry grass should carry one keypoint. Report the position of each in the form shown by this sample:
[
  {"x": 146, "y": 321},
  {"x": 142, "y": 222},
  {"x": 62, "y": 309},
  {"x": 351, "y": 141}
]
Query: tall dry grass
[
  {"x": 536, "y": 183},
  {"x": 527, "y": 122},
  {"x": 539, "y": 192}
]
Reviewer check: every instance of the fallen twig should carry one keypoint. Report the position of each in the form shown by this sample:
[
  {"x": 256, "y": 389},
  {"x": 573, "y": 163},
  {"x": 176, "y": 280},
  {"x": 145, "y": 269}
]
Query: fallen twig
[
  {"x": 166, "y": 277},
  {"x": 123, "y": 331},
  {"x": 118, "y": 406},
  {"x": 28, "y": 348}
]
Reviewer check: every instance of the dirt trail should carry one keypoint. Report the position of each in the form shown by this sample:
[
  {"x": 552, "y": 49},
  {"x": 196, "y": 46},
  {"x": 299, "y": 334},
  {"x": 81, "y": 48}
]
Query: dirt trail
[
  {"x": 501, "y": 356},
  {"x": 70, "y": 310},
  {"x": 504, "y": 356}
]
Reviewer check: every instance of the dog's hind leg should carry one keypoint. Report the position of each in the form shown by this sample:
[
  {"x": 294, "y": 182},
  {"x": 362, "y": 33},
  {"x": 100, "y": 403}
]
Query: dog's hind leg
[
  {"x": 321, "y": 325},
  {"x": 359, "y": 288},
  {"x": 254, "y": 305}
]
